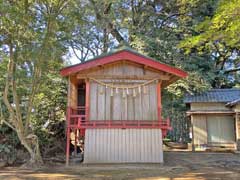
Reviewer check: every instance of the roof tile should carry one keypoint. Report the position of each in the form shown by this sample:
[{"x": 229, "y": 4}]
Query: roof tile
[{"x": 214, "y": 95}]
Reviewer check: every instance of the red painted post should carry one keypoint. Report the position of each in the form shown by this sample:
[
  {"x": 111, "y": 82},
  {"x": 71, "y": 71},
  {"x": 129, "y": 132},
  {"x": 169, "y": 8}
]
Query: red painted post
[
  {"x": 159, "y": 101},
  {"x": 75, "y": 141},
  {"x": 87, "y": 99},
  {"x": 87, "y": 102},
  {"x": 68, "y": 135},
  {"x": 68, "y": 146}
]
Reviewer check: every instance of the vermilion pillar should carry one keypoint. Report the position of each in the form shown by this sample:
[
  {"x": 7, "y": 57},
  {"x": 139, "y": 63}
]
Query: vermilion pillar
[
  {"x": 159, "y": 101},
  {"x": 87, "y": 99},
  {"x": 87, "y": 104},
  {"x": 68, "y": 136}
]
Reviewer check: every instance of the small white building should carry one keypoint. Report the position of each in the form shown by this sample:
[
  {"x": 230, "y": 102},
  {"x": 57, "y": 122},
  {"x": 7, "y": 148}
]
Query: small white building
[{"x": 215, "y": 118}]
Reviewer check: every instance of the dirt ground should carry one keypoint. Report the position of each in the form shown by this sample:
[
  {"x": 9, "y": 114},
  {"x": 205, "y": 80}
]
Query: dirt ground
[{"x": 177, "y": 166}]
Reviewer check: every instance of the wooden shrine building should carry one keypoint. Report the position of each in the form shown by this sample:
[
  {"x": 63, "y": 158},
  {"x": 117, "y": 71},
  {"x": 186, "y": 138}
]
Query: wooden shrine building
[
  {"x": 114, "y": 104},
  {"x": 215, "y": 118}
]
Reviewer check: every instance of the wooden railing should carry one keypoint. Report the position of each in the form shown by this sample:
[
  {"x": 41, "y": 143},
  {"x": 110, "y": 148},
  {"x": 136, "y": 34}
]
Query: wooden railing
[
  {"x": 78, "y": 119},
  {"x": 79, "y": 122},
  {"x": 80, "y": 110}
]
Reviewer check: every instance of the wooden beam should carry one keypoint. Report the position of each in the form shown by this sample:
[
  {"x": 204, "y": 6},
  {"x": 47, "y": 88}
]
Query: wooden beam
[
  {"x": 73, "y": 91},
  {"x": 159, "y": 101},
  {"x": 193, "y": 145},
  {"x": 123, "y": 81},
  {"x": 210, "y": 112},
  {"x": 69, "y": 92},
  {"x": 68, "y": 146},
  {"x": 237, "y": 126},
  {"x": 75, "y": 141},
  {"x": 68, "y": 135},
  {"x": 145, "y": 69},
  {"x": 172, "y": 79},
  {"x": 99, "y": 76}
]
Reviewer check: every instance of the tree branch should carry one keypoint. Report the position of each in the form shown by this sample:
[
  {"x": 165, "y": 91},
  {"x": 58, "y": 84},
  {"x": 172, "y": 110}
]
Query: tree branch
[
  {"x": 104, "y": 19},
  {"x": 9, "y": 125},
  {"x": 232, "y": 70},
  {"x": 75, "y": 53},
  {"x": 37, "y": 70},
  {"x": 6, "y": 89}
]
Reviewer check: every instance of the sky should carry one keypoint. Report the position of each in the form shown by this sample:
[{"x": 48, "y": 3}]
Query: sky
[{"x": 71, "y": 58}]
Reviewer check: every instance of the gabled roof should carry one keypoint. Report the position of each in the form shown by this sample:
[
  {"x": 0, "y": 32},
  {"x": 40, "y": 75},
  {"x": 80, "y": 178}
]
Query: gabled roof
[
  {"x": 123, "y": 54},
  {"x": 215, "y": 95}
]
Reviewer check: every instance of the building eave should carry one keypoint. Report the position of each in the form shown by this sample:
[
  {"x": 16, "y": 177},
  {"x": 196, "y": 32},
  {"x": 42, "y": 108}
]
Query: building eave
[
  {"x": 211, "y": 112},
  {"x": 123, "y": 55}
]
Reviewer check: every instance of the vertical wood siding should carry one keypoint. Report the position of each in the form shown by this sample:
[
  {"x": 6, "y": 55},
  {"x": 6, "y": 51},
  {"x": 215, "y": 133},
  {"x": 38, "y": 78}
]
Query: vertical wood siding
[
  {"x": 73, "y": 91},
  {"x": 220, "y": 129},
  {"x": 123, "y": 145},
  {"x": 122, "y": 68},
  {"x": 103, "y": 106},
  {"x": 209, "y": 106},
  {"x": 210, "y": 129},
  {"x": 200, "y": 129}
]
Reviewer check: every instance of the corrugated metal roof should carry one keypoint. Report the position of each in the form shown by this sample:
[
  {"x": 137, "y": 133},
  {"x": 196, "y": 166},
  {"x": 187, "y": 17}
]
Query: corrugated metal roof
[{"x": 214, "y": 95}]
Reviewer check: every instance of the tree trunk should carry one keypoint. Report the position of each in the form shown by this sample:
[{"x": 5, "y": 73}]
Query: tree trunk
[{"x": 30, "y": 142}]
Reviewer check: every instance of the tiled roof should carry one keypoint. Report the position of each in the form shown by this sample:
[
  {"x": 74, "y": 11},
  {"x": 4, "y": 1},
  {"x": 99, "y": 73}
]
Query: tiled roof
[
  {"x": 214, "y": 95},
  {"x": 233, "y": 103}
]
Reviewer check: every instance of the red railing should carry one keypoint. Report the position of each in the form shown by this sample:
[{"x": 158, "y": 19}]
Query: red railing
[
  {"x": 78, "y": 122},
  {"x": 78, "y": 119},
  {"x": 80, "y": 110}
]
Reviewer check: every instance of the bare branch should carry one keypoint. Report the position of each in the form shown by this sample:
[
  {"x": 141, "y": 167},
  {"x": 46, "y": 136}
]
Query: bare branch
[
  {"x": 232, "y": 70},
  {"x": 9, "y": 125},
  {"x": 75, "y": 53},
  {"x": 104, "y": 19},
  {"x": 6, "y": 89}
]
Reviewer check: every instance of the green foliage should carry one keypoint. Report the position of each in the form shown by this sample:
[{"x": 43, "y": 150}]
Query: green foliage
[
  {"x": 6, "y": 149},
  {"x": 223, "y": 27},
  {"x": 218, "y": 36},
  {"x": 9, "y": 143},
  {"x": 8, "y": 136},
  {"x": 32, "y": 45}
]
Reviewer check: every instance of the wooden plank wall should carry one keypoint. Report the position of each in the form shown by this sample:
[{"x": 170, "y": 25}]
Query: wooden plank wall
[
  {"x": 237, "y": 124},
  {"x": 236, "y": 109},
  {"x": 73, "y": 91},
  {"x": 103, "y": 106},
  {"x": 200, "y": 129},
  {"x": 213, "y": 130},
  {"x": 208, "y": 106},
  {"x": 237, "y": 119},
  {"x": 122, "y": 68},
  {"x": 220, "y": 129},
  {"x": 123, "y": 146}
]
